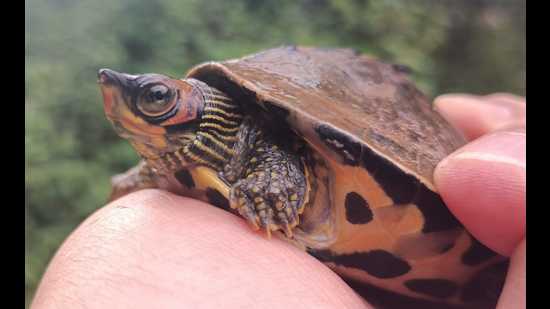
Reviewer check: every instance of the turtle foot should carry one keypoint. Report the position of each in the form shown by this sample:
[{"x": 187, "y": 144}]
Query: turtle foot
[{"x": 271, "y": 198}]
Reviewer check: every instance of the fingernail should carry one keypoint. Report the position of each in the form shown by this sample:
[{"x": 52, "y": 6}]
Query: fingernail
[
  {"x": 505, "y": 98},
  {"x": 507, "y": 147}
]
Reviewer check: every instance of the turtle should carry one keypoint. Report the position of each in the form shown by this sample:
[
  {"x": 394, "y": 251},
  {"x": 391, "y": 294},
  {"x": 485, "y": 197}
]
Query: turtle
[{"x": 328, "y": 148}]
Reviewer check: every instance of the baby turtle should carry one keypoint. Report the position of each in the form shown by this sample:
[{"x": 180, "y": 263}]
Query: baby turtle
[{"x": 332, "y": 149}]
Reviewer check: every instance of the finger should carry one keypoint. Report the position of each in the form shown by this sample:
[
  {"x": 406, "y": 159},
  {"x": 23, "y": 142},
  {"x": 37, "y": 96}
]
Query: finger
[
  {"x": 483, "y": 184},
  {"x": 515, "y": 104},
  {"x": 505, "y": 98},
  {"x": 152, "y": 249},
  {"x": 514, "y": 291},
  {"x": 475, "y": 116}
]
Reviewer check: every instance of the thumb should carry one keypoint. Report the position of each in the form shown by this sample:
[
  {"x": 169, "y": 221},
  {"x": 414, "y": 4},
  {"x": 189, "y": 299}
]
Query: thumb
[{"x": 483, "y": 184}]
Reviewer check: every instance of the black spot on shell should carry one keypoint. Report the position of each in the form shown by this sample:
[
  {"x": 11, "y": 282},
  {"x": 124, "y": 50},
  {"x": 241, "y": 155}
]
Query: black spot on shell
[
  {"x": 486, "y": 285},
  {"x": 477, "y": 253},
  {"x": 401, "y": 187},
  {"x": 440, "y": 288},
  {"x": 357, "y": 209},
  {"x": 404, "y": 188},
  {"x": 217, "y": 199},
  {"x": 185, "y": 178},
  {"x": 381, "y": 264},
  {"x": 344, "y": 145},
  {"x": 447, "y": 247},
  {"x": 437, "y": 216},
  {"x": 321, "y": 255},
  {"x": 377, "y": 263},
  {"x": 382, "y": 298}
]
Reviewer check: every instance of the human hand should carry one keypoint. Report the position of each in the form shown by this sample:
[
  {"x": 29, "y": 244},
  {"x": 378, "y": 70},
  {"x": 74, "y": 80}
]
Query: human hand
[
  {"x": 153, "y": 249},
  {"x": 483, "y": 183}
]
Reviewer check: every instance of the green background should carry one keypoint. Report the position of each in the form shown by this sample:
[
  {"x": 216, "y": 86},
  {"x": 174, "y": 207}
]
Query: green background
[{"x": 71, "y": 150}]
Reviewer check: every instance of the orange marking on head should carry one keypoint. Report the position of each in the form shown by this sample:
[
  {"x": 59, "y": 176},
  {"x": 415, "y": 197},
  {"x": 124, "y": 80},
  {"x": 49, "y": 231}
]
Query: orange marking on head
[
  {"x": 137, "y": 125},
  {"x": 107, "y": 99}
]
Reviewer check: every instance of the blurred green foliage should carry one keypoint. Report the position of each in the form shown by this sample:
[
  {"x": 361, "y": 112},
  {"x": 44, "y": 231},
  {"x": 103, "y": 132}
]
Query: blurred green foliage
[{"x": 71, "y": 151}]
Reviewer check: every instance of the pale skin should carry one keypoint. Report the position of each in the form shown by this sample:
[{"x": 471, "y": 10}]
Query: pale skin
[{"x": 153, "y": 249}]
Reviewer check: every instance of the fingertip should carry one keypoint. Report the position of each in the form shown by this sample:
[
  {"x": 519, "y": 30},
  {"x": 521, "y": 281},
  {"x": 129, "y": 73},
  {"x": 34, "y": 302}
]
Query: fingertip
[
  {"x": 483, "y": 184},
  {"x": 475, "y": 116}
]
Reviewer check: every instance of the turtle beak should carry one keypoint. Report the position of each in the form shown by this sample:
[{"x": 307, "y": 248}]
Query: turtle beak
[
  {"x": 111, "y": 83},
  {"x": 106, "y": 76},
  {"x": 110, "y": 77}
]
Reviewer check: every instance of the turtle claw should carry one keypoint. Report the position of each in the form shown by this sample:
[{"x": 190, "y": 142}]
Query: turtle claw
[
  {"x": 268, "y": 232},
  {"x": 242, "y": 205},
  {"x": 288, "y": 231}
]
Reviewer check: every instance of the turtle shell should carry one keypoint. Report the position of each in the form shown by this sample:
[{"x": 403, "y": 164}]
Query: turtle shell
[
  {"x": 348, "y": 102},
  {"x": 376, "y": 218}
]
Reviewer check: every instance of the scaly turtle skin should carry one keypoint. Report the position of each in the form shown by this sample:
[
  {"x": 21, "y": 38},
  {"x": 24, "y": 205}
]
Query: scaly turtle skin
[{"x": 333, "y": 148}]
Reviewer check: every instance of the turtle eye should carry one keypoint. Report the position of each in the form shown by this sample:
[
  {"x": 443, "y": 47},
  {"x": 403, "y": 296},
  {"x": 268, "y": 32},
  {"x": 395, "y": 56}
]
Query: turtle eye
[{"x": 156, "y": 101}]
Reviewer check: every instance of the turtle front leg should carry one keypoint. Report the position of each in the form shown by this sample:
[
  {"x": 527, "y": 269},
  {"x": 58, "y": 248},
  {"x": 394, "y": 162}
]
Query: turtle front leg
[
  {"x": 137, "y": 178},
  {"x": 272, "y": 188}
]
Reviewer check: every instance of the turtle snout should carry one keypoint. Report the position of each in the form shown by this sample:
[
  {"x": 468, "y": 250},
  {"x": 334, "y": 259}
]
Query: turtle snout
[{"x": 107, "y": 76}]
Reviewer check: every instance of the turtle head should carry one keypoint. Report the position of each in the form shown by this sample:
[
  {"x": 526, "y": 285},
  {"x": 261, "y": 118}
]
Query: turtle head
[{"x": 156, "y": 113}]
